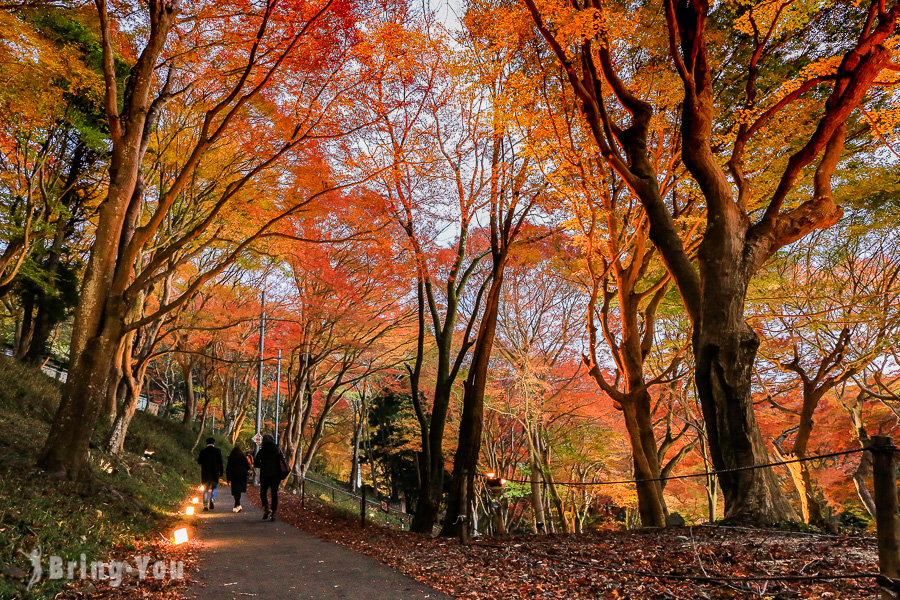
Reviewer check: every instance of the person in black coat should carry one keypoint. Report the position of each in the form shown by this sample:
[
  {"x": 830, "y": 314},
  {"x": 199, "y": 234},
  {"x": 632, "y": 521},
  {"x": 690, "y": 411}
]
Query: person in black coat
[
  {"x": 236, "y": 475},
  {"x": 268, "y": 461},
  {"x": 211, "y": 468}
]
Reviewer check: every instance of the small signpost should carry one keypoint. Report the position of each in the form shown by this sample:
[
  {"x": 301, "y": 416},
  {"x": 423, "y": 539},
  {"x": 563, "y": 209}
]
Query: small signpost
[{"x": 257, "y": 439}]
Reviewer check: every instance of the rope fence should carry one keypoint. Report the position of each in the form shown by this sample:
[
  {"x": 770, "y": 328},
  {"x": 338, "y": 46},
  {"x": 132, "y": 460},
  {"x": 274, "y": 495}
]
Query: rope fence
[
  {"x": 887, "y": 521},
  {"x": 704, "y": 473},
  {"x": 885, "y": 495}
]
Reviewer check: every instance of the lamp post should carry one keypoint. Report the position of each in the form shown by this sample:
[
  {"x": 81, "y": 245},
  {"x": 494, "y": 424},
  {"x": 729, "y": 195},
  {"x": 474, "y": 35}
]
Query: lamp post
[
  {"x": 495, "y": 487},
  {"x": 277, "y": 393},
  {"x": 259, "y": 379}
]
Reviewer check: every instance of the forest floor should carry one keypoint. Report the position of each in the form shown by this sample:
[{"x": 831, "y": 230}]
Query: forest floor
[{"x": 611, "y": 564}]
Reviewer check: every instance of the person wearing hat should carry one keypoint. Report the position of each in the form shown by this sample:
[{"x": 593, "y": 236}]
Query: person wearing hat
[
  {"x": 268, "y": 461},
  {"x": 211, "y": 469}
]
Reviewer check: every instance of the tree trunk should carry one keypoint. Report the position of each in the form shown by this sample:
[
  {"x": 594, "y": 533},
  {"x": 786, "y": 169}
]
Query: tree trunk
[
  {"x": 431, "y": 495},
  {"x": 537, "y": 499},
  {"x": 203, "y": 413},
  {"x": 651, "y": 506},
  {"x": 115, "y": 386},
  {"x": 863, "y": 473},
  {"x": 428, "y": 504},
  {"x": 472, "y": 418},
  {"x": 115, "y": 442},
  {"x": 43, "y": 321},
  {"x": 724, "y": 351},
  {"x": 190, "y": 400},
  {"x": 557, "y": 502},
  {"x": 100, "y": 315},
  {"x": 66, "y": 450},
  {"x": 26, "y": 329}
]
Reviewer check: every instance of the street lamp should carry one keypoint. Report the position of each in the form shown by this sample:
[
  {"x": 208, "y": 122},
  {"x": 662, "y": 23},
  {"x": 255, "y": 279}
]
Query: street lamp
[{"x": 494, "y": 484}]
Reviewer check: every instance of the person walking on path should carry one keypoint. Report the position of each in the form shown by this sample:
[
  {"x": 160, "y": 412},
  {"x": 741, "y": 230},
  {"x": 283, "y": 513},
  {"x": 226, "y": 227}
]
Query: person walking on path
[
  {"x": 211, "y": 468},
  {"x": 268, "y": 460},
  {"x": 236, "y": 475}
]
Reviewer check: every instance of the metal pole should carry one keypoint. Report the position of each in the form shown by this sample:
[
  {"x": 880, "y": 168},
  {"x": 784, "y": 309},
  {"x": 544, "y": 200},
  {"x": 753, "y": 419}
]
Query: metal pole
[
  {"x": 259, "y": 380},
  {"x": 277, "y": 393}
]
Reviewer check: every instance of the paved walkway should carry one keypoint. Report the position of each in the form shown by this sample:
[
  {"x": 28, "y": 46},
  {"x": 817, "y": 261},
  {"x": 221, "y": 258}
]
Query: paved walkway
[{"x": 245, "y": 557}]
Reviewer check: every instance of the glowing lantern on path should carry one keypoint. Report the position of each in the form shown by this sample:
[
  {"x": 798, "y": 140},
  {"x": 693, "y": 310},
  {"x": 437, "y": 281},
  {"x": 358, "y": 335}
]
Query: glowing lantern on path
[
  {"x": 195, "y": 500},
  {"x": 202, "y": 488},
  {"x": 189, "y": 510},
  {"x": 181, "y": 535}
]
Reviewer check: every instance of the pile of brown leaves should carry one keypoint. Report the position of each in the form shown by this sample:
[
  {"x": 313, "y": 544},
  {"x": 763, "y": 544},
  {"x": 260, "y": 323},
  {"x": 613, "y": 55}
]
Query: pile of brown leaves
[{"x": 613, "y": 564}]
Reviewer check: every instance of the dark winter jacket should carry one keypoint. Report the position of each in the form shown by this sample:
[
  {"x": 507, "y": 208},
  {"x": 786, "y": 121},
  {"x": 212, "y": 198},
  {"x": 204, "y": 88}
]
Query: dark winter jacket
[
  {"x": 268, "y": 459},
  {"x": 236, "y": 473},
  {"x": 211, "y": 466}
]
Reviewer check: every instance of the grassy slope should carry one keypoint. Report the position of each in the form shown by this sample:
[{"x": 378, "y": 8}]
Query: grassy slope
[{"x": 105, "y": 519}]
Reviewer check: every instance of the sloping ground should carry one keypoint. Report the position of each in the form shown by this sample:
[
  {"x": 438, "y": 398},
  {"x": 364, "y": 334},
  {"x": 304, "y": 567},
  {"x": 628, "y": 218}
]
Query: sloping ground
[
  {"x": 127, "y": 512},
  {"x": 612, "y": 564}
]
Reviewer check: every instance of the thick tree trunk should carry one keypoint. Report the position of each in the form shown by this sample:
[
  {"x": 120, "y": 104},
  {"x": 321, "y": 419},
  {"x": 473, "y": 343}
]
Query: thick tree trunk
[
  {"x": 40, "y": 334},
  {"x": 472, "y": 418},
  {"x": 66, "y": 450},
  {"x": 724, "y": 351},
  {"x": 99, "y": 318},
  {"x": 428, "y": 505},
  {"x": 808, "y": 492}
]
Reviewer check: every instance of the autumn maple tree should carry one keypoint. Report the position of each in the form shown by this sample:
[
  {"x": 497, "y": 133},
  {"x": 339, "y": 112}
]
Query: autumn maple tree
[
  {"x": 281, "y": 40},
  {"x": 753, "y": 208}
]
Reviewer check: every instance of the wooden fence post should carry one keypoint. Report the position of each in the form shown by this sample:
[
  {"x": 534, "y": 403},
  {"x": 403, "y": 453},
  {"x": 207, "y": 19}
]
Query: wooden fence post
[
  {"x": 886, "y": 515},
  {"x": 362, "y": 508},
  {"x": 464, "y": 512}
]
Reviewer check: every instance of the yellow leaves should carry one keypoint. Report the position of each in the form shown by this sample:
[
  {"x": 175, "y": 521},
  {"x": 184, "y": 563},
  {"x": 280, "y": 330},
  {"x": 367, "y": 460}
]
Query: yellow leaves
[
  {"x": 604, "y": 25},
  {"x": 885, "y": 123},
  {"x": 889, "y": 77},
  {"x": 585, "y": 24},
  {"x": 35, "y": 74},
  {"x": 777, "y": 16}
]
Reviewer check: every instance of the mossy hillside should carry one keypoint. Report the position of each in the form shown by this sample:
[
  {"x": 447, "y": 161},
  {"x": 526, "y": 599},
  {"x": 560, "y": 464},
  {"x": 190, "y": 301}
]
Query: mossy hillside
[{"x": 131, "y": 499}]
